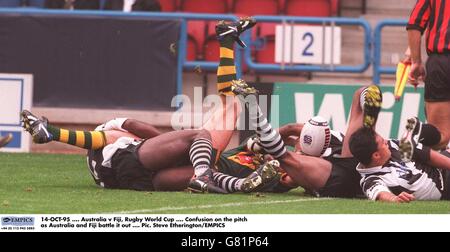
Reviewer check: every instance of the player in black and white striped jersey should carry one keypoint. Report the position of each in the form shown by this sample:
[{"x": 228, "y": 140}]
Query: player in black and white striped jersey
[
  {"x": 388, "y": 177},
  {"x": 334, "y": 174}
]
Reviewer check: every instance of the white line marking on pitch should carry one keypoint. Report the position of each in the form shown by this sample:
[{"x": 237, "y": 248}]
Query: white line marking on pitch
[{"x": 163, "y": 209}]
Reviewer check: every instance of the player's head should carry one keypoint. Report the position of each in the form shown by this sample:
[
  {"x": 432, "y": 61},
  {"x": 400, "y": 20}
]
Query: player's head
[
  {"x": 315, "y": 136},
  {"x": 368, "y": 147}
]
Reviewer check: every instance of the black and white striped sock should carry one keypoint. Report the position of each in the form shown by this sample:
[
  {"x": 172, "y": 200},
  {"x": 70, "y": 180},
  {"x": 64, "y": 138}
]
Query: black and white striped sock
[
  {"x": 200, "y": 154},
  {"x": 270, "y": 139},
  {"x": 227, "y": 182}
]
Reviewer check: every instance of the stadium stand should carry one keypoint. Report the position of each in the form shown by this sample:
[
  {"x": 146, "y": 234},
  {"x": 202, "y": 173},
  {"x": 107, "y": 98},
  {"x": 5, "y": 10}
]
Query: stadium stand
[
  {"x": 192, "y": 49},
  {"x": 196, "y": 38},
  {"x": 314, "y": 8},
  {"x": 36, "y": 3},
  {"x": 256, "y": 7},
  {"x": 201, "y": 6},
  {"x": 266, "y": 52},
  {"x": 211, "y": 46},
  {"x": 102, "y": 4},
  {"x": 335, "y": 9},
  {"x": 11, "y": 3},
  {"x": 169, "y": 5}
]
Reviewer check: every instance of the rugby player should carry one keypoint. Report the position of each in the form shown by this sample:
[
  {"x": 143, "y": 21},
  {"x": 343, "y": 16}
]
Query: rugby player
[
  {"x": 334, "y": 174},
  {"x": 129, "y": 163},
  {"x": 402, "y": 171}
]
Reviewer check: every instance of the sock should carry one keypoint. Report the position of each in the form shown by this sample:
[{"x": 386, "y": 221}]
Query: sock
[
  {"x": 431, "y": 135},
  {"x": 90, "y": 140},
  {"x": 227, "y": 182},
  {"x": 200, "y": 154},
  {"x": 362, "y": 98},
  {"x": 226, "y": 72},
  {"x": 270, "y": 139}
]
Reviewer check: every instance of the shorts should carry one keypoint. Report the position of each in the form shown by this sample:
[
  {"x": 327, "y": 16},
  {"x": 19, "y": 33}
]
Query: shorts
[
  {"x": 437, "y": 82},
  {"x": 446, "y": 176},
  {"x": 130, "y": 173},
  {"x": 446, "y": 193},
  {"x": 343, "y": 181},
  {"x": 103, "y": 176}
]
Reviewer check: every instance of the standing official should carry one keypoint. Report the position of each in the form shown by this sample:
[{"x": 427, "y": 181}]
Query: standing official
[{"x": 434, "y": 17}]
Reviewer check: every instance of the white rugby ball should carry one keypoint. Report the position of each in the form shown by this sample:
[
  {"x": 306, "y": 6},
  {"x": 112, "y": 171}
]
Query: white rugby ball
[{"x": 315, "y": 136}]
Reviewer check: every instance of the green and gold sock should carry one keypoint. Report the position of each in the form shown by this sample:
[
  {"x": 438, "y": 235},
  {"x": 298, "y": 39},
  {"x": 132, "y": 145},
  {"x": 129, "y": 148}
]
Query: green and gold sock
[
  {"x": 90, "y": 140},
  {"x": 226, "y": 72}
]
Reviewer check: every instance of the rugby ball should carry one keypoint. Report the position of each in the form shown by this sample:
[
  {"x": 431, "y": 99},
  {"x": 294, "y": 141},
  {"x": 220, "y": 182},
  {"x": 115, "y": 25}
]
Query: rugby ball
[{"x": 315, "y": 136}]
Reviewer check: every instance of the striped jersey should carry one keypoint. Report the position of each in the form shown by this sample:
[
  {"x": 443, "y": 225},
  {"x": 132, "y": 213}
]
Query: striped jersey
[
  {"x": 433, "y": 16},
  {"x": 396, "y": 176}
]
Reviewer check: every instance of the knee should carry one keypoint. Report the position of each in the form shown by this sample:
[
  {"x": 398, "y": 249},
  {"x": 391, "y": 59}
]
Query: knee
[{"x": 129, "y": 123}]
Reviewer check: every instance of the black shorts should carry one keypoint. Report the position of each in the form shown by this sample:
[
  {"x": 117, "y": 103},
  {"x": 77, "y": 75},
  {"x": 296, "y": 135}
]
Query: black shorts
[
  {"x": 437, "y": 82},
  {"x": 130, "y": 173},
  {"x": 343, "y": 181},
  {"x": 446, "y": 193},
  {"x": 446, "y": 176}
]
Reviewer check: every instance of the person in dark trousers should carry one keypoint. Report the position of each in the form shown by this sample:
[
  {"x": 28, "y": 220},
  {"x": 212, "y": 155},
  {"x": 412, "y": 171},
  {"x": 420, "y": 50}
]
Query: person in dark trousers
[
  {"x": 434, "y": 17},
  {"x": 73, "y": 4},
  {"x": 133, "y": 5}
]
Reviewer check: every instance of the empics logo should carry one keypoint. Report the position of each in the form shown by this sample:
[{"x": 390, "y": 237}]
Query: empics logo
[{"x": 17, "y": 221}]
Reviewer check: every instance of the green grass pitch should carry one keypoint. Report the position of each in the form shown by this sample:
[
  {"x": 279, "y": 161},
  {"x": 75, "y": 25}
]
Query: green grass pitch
[{"x": 61, "y": 184}]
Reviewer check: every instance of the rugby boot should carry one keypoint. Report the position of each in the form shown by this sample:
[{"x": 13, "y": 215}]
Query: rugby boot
[
  {"x": 410, "y": 139},
  {"x": 372, "y": 105},
  {"x": 36, "y": 127},
  {"x": 4, "y": 140},
  {"x": 265, "y": 173},
  {"x": 240, "y": 87},
  {"x": 234, "y": 29},
  {"x": 205, "y": 184}
]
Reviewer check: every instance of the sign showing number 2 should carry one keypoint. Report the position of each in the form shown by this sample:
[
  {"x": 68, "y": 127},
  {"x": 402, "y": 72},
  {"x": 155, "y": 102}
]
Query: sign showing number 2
[
  {"x": 308, "y": 37},
  {"x": 311, "y": 44}
]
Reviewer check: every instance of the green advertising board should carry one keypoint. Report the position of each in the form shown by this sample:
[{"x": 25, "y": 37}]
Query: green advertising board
[{"x": 298, "y": 102}]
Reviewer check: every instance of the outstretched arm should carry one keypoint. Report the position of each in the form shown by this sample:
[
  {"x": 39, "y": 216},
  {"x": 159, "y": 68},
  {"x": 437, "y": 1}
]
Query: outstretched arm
[
  {"x": 375, "y": 189},
  {"x": 390, "y": 197},
  {"x": 439, "y": 160},
  {"x": 417, "y": 72},
  {"x": 417, "y": 23}
]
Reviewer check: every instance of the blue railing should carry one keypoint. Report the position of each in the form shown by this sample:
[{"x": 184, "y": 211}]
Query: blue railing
[
  {"x": 181, "y": 47},
  {"x": 377, "y": 68},
  {"x": 313, "y": 68},
  {"x": 211, "y": 66}
]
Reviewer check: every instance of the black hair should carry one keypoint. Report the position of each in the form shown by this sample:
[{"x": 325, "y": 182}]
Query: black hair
[
  {"x": 430, "y": 134},
  {"x": 363, "y": 144}
]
